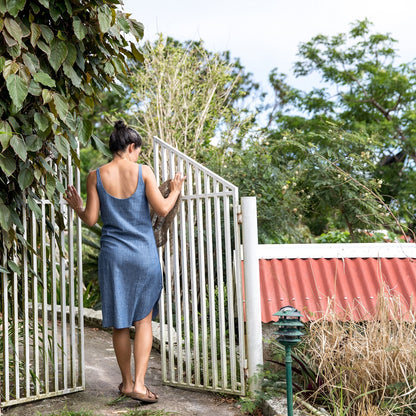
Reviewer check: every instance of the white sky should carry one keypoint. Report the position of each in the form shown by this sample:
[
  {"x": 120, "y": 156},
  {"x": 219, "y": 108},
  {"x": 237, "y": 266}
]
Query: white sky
[{"x": 265, "y": 34}]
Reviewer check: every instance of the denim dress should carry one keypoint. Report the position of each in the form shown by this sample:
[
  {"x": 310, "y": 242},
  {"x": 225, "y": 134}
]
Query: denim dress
[{"x": 128, "y": 265}]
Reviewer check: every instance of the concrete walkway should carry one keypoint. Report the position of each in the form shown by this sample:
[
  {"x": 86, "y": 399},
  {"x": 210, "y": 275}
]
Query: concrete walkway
[{"x": 101, "y": 394}]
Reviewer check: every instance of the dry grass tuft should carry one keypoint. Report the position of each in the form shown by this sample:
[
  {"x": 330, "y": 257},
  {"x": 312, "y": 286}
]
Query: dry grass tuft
[{"x": 367, "y": 368}]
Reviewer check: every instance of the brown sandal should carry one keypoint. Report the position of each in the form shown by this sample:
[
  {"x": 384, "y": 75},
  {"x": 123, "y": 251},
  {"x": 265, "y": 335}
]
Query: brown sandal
[{"x": 148, "y": 397}]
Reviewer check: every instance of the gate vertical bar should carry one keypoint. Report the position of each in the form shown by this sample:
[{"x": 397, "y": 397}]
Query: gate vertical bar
[
  {"x": 230, "y": 292},
  {"x": 15, "y": 329},
  {"x": 45, "y": 354},
  {"x": 220, "y": 283},
  {"x": 26, "y": 304},
  {"x": 193, "y": 274},
  {"x": 54, "y": 313},
  {"x": 6, "y": 358},
  {"x": 81, "y": 353},
  {"x": 211, "y": 288},
  {"x": 202, "y": 281},
  {"x": 185, "y": 288},
  {"x": 71, "y": 283},
  {"x": 35, "y": 305},
  {"x": 239, "y": 292},
  {"x": 64, "y": 338}
]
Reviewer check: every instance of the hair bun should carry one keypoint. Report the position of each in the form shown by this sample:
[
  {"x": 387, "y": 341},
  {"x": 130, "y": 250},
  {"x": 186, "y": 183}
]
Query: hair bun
[{"x": 120, "y": 125}]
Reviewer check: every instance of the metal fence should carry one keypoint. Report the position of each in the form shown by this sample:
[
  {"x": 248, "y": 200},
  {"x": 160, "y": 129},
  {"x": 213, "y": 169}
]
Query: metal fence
[
  {"x": 41, "y": 317},
  {"x": 201, "y": 308}
]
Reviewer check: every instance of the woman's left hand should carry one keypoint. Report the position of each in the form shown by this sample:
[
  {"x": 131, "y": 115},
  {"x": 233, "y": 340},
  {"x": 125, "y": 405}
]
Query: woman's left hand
[{"x": 73, "y": 199}]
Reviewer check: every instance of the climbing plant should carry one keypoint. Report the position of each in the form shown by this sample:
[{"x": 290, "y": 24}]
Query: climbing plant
[{"x": 54, "y": 58}]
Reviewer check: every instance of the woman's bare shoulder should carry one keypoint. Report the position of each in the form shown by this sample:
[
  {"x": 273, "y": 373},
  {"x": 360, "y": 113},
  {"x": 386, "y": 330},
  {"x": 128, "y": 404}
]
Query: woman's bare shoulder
[
  {"x": 92, "y": 176},
  {"x": 147, "y": 171}
]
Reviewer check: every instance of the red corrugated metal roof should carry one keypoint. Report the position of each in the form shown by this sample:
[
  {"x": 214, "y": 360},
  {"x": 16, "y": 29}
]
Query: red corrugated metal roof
[{"x": 350, "y": 284}]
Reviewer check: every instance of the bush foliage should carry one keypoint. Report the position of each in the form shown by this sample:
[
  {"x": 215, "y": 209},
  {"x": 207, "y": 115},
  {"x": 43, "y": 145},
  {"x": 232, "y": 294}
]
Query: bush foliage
[{"x": 55, "y": 57}]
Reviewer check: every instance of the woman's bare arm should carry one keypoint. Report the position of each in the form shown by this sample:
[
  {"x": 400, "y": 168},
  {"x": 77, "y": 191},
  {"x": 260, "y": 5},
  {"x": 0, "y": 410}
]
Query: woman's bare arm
[
  {"x": 90, "y": 213},
  {"x": 161, "y": 205}
]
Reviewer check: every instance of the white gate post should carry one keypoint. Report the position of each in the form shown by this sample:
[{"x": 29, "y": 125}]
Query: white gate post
[{"x": 252, "y": 290}]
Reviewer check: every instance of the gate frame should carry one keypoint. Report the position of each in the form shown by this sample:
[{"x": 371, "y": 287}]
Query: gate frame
[
  {"x": 69, "y": 362},
  {"x": 164, "y": 154}
]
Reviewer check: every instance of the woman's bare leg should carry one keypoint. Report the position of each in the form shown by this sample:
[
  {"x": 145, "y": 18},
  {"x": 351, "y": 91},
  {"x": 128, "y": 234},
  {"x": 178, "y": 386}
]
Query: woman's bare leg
[
  {"x": 143, "y": 341},
  {"x": 122, "y": 348}
]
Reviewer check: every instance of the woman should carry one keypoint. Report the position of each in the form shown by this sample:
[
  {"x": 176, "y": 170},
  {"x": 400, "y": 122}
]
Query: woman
[{"x": 128, "y": 265}]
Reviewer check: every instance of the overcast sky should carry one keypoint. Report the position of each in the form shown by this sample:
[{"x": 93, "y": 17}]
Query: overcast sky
[{"x": 265, "y": 34}]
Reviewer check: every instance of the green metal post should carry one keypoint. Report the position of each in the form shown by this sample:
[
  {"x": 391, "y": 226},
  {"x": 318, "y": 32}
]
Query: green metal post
[{"x": 289, "y": 387}]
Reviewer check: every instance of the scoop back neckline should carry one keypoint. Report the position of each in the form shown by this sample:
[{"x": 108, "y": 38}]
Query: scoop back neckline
[{"x": 121, "y": 199}]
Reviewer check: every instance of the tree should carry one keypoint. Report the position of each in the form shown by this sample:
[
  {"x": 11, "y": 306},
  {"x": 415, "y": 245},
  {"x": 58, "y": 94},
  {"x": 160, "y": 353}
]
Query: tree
[
  {"x": 55, "y": 57},
  {"x": 188, "y": 96},
  {"x": 364, "y": 90}
]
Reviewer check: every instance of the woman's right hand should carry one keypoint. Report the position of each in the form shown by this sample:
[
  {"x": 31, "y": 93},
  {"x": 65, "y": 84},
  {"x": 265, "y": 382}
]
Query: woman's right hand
[{"x": 176, "y": 183}]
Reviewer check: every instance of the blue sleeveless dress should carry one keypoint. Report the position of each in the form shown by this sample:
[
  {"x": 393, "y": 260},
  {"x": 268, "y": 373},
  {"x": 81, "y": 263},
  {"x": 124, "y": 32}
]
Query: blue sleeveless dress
[{"x": 128, "y": 265}]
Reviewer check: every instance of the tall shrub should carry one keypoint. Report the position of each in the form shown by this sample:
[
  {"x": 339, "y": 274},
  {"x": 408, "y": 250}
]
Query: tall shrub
[{"x": 54, "y": 58}]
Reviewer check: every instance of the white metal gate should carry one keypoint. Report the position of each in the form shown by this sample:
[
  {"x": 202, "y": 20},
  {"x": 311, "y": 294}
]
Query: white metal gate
[
  {"x": 201, "y": 308},
  {"x": 41, "y": 316}
]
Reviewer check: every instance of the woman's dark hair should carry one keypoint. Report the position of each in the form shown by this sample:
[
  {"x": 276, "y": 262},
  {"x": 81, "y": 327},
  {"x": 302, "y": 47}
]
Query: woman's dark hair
[{"x": 122, "y": 136}]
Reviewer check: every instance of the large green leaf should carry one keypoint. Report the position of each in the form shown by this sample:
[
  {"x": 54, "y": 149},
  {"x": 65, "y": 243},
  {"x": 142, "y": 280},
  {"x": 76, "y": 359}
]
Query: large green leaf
[
  {"x": 2, "y": 62},
  {"x": 79, "y": 29},
  {"x": 58, "y": 53},
  {"x": 61, "y": 105},
  {"x": 34, "y": 206},
  {"x": 72, "y": 54},
  {"x": 100, "y": 145},
  {"x": 15, "y": 51},
  {"x": 3, "y": 6},
  {"x": 10, "y": 67},
  {"x": 14, "y": 6},
  {"x": 9, "y": 40},
  {"x": 44, "y": 47},
  {"x": 62, "y": 145},
  {"x": 104, "y": 18},
  {"x": 35, "y": 33},
  {"x": 18, "y": 89},
  {"x": 7, "y": 164},
  {"x": 68, "y": 7},
  {"x": 71, "y": 122},
  {"x": 5, "y": 216},
  {"x": 5, "y": 133},
  {"x": 44, "y": 79},
  {"x": 70, "y": 72},
  {"x": 123, "y": 23},
  {"x": 14, "y": 29},
  {"x": 84, "y": 130},
  {"x": 137, "y": 29},
  {"x": 19, "y": 147},
  {"x": 33, "y": 143},
  {"x": 47, "y": 96},
  {"x": 31, "y": 62},
  {"x": 50, "y": 185},
  {"x": 47, "y": 33},
  {"x": 3, "y": 270},
  {"x": 136, "y": 53},
  {"x": 26, "y": 177},
  {"x": 42, "y": 122},
  {"x": 109, "y": 69},
  {"x": 35, "y": 89}
]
